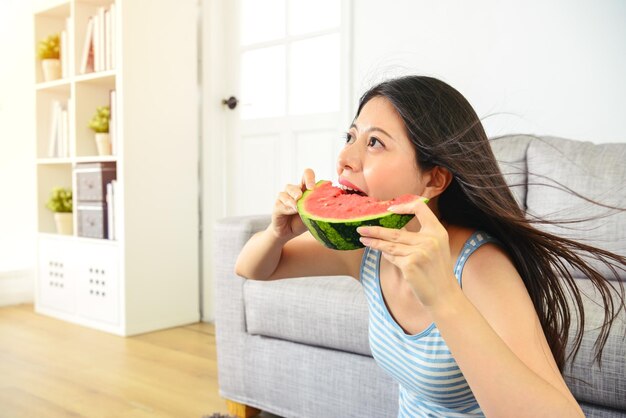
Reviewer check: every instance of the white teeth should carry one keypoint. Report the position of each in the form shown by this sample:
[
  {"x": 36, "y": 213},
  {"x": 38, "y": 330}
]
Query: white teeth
[{"x": 342, "y": 187}]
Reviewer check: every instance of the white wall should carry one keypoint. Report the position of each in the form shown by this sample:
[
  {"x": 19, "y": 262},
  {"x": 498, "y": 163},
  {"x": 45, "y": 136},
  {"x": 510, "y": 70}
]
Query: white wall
[
  {"x": 557, "y": 67},
  {"x": 17, "y": 149}
]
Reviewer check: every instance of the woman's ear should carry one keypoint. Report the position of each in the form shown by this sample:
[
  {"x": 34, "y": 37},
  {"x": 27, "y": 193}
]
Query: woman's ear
[{"x": 439, "y": 178}]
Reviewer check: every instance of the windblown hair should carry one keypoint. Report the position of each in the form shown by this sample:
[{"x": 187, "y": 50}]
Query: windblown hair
[{"x": 445, "y": 131}]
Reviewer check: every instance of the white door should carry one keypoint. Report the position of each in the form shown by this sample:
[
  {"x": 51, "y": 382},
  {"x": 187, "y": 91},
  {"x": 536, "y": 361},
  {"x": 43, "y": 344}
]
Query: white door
[{"x": 287, "y": 65}]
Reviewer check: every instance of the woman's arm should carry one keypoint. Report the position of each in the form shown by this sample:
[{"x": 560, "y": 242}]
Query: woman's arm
[
  {"x": 495, "y": 336},
  {"x": 491, "y": 329},
  {"x": 267, "y": 257}
]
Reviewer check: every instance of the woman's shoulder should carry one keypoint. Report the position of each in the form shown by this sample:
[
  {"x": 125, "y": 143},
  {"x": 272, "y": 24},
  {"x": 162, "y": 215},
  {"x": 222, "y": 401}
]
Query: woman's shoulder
[
  {"x": 489, "y": 267},
  {"x": 489, "y": 275},
  {"x": 460, "y": 236}
]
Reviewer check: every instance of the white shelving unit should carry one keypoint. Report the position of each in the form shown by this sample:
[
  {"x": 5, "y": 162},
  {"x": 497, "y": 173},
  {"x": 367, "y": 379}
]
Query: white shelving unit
[{"x": 147, "y": 278}]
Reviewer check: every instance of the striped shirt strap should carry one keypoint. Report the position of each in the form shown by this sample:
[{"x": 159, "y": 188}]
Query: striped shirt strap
[{"x": 474, "y": 242}]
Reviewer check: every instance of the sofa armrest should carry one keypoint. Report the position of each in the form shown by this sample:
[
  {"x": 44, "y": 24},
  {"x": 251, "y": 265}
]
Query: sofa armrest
[{"x": 229, "y": 237}]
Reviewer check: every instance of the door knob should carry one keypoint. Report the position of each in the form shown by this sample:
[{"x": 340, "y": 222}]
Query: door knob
[{"x": 231, "y": 102}]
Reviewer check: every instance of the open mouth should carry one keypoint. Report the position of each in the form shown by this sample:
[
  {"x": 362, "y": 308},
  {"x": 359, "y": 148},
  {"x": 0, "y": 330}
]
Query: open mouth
[{"x": 350, "y": 190}]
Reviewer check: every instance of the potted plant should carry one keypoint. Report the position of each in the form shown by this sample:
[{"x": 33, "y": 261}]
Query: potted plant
[
  {"x": 99, "y": 123},
  {"x": 48, "y": 52},
  {"x": 60, "y": 202}
]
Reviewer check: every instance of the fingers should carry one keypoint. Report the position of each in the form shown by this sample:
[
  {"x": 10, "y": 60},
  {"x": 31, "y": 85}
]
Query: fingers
[
  {"x": 408, "y": 207},
  {"x": 308, "y": 179},
  {"x": 286, "y": 203},
  {"x": 388, "y": 247},
  {"x": 422, "y": 212},
  {"x": 295, "y": 192},
  {"x": 401, "y": 236}
]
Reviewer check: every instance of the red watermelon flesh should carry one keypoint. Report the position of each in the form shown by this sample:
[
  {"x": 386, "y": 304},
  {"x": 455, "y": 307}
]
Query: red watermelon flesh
[{"x": 335, "y": 203}]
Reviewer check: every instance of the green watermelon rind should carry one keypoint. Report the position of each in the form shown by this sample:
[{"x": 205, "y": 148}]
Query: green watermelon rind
[{"x": 341, "y": 234}]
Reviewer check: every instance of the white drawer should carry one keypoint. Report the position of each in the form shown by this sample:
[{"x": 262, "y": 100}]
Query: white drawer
[
  {"x": 56, "y": 275},
  {"x": 97, "y": 282}
]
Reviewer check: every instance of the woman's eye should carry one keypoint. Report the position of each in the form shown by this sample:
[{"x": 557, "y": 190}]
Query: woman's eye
[
  {"x": 375, "y": 143},
  {"x": 349, "y": 138}
]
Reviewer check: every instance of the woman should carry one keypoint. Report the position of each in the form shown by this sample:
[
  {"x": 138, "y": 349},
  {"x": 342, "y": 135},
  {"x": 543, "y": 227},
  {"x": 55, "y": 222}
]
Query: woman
[{"x": 467, "y": 303}]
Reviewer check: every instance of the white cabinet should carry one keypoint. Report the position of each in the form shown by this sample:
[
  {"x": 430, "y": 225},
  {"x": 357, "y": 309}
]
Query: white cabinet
[
  {"x": 79, "y": 278},
  {"x": 147, "y": 278}
]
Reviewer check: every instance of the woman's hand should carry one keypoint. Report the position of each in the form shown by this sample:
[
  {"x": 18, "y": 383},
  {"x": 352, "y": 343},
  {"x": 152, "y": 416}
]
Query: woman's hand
[
  {"x": 286, "y": 223},
  {"x": 423, "y": 257}
]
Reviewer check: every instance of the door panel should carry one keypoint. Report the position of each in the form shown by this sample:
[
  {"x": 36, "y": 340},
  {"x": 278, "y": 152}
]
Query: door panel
[
  {"x": 263, "y": 72},
  {"x": 287, "y": 67},
  {"x": 261, "y": 20},
  {"x": 257, "y": 174},
  {"x": 313, "y": 150},
  {"x": 314, "y": 77}
]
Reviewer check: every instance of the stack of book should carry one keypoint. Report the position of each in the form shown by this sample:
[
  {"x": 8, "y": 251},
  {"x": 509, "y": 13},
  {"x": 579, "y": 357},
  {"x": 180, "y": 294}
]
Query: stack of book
[
  {"x": 58, "y": 144},
  {"x": 99, "y": 46}
]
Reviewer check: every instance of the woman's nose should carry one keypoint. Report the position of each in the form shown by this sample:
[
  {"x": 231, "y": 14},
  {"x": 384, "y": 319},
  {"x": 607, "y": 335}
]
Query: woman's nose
[{"x": 349, "y": 159}]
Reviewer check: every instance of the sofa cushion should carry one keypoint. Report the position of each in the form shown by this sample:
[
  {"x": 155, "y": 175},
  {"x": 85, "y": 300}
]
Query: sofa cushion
[
  {"x": 510, "y": 152},
  {"x": 598, "y": 383},
  {"x": 594, "y": 171},
  {"x": 321, "y": 311}
]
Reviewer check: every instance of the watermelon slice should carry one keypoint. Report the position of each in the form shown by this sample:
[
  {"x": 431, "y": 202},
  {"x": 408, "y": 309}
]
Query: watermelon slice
[{"x": 333, "y": 214}]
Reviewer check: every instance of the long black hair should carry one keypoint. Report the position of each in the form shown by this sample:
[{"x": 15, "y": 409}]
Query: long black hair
[{"x": 446, "y": 131}]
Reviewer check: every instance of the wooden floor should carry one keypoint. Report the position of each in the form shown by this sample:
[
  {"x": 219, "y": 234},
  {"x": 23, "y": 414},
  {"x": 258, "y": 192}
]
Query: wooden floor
[{"x": 50, "y": 368}]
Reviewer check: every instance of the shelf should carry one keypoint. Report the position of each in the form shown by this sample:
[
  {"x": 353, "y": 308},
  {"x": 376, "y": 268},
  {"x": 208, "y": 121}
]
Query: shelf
[
  {"x": 73, "y": 160},
  {"x": 75, "y": 238},
  {"x": 62, "y": 10},
  {"x": 51, "y": 161},
  {"x": 96, "y": 159},
  {"x": 62, "y": 85},
  {"x": 103, "y": 77}
]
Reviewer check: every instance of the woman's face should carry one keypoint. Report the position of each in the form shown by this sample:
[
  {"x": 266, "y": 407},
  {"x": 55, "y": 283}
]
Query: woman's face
[{"x": 378, "y": 158}]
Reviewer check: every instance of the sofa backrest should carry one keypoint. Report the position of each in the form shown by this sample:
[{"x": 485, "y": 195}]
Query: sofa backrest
[
  {"x": 510, "y": 152},
  {"x": 559, "y": 176}
]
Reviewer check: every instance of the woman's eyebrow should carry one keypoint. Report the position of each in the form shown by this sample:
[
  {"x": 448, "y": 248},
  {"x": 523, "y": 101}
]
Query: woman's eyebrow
[{"x": 372, "y": 129}]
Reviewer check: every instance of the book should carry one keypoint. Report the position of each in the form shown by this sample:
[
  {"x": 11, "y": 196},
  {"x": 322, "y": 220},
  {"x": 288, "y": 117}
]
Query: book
[
  {"x": 107, "y": 39},
  {"x": 87, "y": 64},
  {"x": 113, "y": 37},
  {"x": 113, "y": 121},
  {"x": 64, "y": 134},
  {"x": 111, "y": 209},
  {"x": 52, "y": 140},
  {"x": 109, "y": 200},
  {"x": 100, "y": 42}
]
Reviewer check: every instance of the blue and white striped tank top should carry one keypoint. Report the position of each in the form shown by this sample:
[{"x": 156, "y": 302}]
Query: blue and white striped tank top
[{"x": 430, "y": 382}]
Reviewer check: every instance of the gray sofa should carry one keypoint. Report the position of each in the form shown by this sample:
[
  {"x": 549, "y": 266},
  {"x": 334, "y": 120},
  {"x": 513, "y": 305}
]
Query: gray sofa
[{"x": 299, "y": 347}]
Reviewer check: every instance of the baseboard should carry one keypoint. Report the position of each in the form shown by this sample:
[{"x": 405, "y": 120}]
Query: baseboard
[{"x": 17, "y": 286}]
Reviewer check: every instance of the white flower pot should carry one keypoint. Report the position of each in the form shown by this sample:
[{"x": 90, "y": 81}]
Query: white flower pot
[
  {"x": 64, "y": 222},
  {"x": 51, "y": 69},
  {"x": 103, "y": 142}
]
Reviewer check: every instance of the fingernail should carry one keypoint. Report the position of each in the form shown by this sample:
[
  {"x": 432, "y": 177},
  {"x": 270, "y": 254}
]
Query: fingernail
[
  {"x": 365, "y": 241},
  {"x": 362, "y": 230}
]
